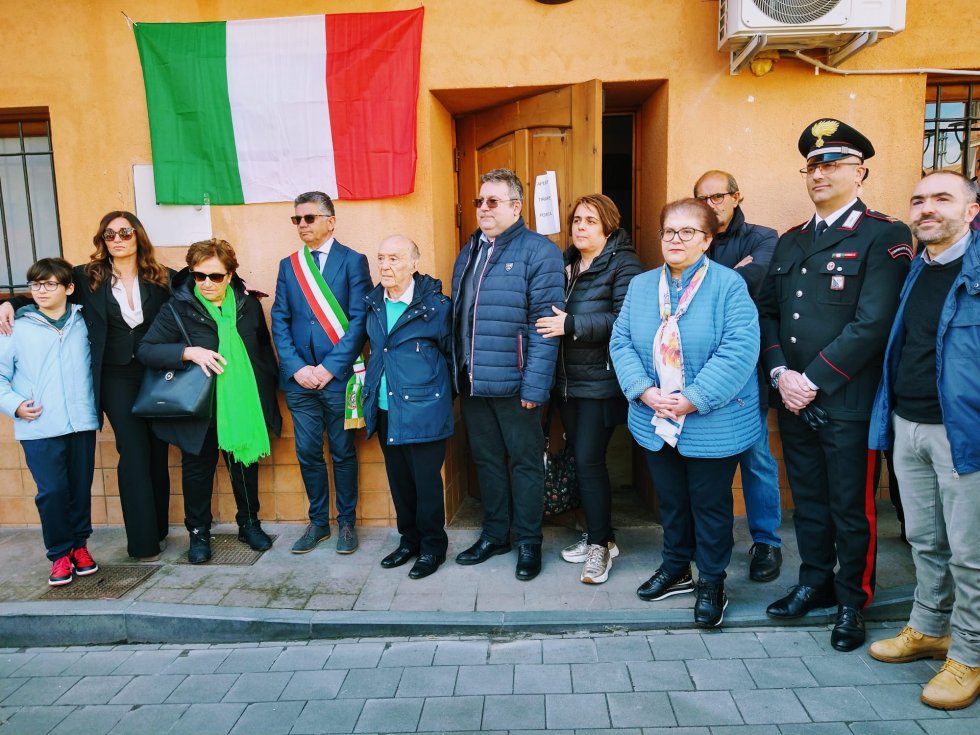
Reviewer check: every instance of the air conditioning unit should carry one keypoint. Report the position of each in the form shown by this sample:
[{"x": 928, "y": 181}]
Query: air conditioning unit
[{"x": 806, "y": 24}]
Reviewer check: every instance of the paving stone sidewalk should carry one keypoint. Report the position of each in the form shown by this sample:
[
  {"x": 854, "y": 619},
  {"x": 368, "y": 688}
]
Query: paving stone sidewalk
[
  {"x": 765, "y": 682},
  {"x": 333, "y": 595}
]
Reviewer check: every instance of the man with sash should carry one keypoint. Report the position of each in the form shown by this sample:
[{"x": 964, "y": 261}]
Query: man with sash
[{"x": 320, "y": 290}]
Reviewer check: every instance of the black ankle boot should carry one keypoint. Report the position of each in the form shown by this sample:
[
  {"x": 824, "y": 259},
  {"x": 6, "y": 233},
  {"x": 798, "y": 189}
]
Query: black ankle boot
[
  {"x": 200, "y": 548},
  {"x": 252, "y": 534}
]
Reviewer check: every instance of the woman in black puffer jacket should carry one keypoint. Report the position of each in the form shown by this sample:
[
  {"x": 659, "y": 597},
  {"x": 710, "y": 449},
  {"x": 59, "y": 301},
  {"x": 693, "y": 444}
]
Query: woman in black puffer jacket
[{"x": 599, "y": 265}]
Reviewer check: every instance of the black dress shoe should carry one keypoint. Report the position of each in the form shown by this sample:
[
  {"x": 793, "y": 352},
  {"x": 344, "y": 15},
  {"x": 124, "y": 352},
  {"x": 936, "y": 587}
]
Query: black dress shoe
[
  {"x": 480, "y": 552},
  {"x": 398, "y": 557},
  {"x": 528, "y": 561},
  {"x": 425, "y": 565},
  {"x": 848, "y": 631},
  {"x": 801, "y": 600},
  {"x": 766, "y": 561}
]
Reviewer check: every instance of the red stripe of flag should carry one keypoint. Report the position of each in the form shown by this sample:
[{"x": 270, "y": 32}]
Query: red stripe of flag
[
  {"x": 311, "y": 299},
  {"x": 372, "y": 90}
]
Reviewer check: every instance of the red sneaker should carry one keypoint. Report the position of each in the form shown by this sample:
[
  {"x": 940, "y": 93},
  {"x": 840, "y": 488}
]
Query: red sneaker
[
  {"x": 83, "y": 562},
  {"x": 60, "y": 571}
]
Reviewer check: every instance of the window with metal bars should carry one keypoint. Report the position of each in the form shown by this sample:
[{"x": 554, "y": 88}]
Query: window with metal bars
[
  {"x": 951, "y": 137},
  {"x": 29, "y": 223}
]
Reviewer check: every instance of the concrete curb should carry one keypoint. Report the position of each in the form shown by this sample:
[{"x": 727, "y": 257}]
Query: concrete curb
[{"x": 55, "y": 623}]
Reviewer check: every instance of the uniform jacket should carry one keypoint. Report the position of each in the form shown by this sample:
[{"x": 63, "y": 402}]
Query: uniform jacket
[
  {"x": 957, "y": 358},
  {"x": 95, "y": 305},
  {"x": 52, "y": 367},
  {"x": 720, "y": 347},
  {"x": 826, "y": 308},
  {"x": 741, "y": 240},
  {"x": 163, "y": 346},
  {"x": 593, "y": 301},
  {"x": 519, "y": 284},
  {"x": 299, "y": 338},
  {"x": 416, "y": 358}
]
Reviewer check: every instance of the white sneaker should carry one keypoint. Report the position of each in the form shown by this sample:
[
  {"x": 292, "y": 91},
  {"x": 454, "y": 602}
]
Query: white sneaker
[
  {"x": 597, "y": 565},
  {"x": 579, "y": 551}
]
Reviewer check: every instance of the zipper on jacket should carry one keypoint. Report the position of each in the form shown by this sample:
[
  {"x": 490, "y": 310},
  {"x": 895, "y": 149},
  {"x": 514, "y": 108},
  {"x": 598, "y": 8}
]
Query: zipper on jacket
[
  {"x": 476, "y": 301},
  {"x": 520, "y": 350}
]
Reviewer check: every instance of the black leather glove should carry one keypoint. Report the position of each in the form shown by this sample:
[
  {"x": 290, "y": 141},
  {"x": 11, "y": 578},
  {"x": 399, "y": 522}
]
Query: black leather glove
[{"x": 814, "y": 417}]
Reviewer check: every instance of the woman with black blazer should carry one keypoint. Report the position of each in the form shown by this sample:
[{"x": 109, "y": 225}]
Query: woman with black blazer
[
  {"x": 121, "y": 289},
  {"x": 599, "y": 265},
  {"x": 229, "y": 339}
]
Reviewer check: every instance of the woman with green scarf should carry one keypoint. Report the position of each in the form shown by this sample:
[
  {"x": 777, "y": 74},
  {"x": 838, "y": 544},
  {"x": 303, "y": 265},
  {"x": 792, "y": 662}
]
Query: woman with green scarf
[{"x": 230, "y": 340}]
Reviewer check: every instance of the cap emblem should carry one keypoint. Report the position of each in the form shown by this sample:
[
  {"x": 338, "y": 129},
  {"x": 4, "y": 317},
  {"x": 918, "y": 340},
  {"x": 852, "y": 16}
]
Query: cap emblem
[{"x": 822, "y": 129}]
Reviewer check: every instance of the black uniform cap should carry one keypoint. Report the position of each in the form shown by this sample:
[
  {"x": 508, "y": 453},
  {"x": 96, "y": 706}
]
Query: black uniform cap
[{"x": 828, "y": 139}]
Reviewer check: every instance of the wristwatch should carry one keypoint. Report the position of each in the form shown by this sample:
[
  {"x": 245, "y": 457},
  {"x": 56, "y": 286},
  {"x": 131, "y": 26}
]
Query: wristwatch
[{"x": 774, "y": 380}]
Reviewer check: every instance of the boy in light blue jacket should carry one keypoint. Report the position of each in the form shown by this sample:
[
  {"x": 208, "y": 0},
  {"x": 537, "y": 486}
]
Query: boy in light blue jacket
[{"x": 46, "y": 386}]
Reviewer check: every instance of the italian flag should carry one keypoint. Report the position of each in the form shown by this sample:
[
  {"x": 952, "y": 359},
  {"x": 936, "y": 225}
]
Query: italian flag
[{"x": 263, "y": 110}]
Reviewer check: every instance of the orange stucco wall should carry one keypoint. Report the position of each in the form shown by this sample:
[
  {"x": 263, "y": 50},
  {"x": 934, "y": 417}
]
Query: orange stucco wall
[{"x": 79, "y": 59}]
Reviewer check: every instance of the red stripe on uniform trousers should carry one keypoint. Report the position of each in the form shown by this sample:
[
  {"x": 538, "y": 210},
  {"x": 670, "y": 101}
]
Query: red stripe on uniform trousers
[
  {"x": 834, "y": 367},
  {"x": 872, "y": 518}
]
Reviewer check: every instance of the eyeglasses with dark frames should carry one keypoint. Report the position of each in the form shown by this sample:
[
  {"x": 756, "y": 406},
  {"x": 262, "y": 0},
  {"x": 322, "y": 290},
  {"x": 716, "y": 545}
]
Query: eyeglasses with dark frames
[
  {"x": 202, "y": 277},
  {"x": 716, "y": 198},
  {"x": 46, "y": 285},
  {"x": 492, "y": 202},
  {"x": 125, "y": 233},
  {"x": 686, "y": 234},
  {"x": 307, "y": 218}
]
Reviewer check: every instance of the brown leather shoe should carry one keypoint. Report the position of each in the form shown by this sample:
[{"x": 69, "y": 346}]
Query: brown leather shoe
[
  {"x": 910, "y": 645},
  {"x": 955, "y": 686}
]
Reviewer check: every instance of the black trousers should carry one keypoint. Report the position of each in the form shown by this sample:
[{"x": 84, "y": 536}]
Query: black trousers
[
  {"x": 586, "y": 432},
  {"x": 507, "y": 445},
  {"x": 415, "y": 479},
  {"x": 198, "y": 484},
  {"x": 833, "y": 476},
  {"x": 144, "y": 480},
  {"x": 695, "y": 496}
]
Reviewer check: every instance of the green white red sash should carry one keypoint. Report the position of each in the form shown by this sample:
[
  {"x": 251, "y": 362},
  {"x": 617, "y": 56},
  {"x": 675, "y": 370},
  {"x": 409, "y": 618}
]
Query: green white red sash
[{"x": 331, "y": 317}]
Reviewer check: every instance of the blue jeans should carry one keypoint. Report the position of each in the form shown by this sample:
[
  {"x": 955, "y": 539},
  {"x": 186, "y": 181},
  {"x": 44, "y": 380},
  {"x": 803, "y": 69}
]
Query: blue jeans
[
  {"x": 315, "y": 412},
  {"x": 760, "y": 488},
  {"x": 63, "y": 468}
]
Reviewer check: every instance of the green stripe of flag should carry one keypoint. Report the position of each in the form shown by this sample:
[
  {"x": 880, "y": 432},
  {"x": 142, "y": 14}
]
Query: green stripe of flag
[{"x": 191, "y": 133}]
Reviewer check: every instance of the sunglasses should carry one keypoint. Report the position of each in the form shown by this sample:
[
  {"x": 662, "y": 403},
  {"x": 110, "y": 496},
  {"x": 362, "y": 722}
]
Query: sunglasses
[
  {"x": 716, "y": 198},
  {"x": 307, "y": 218},
  {"x": 202, "y": 277},
  {"x": 492, "y": 202},
  {"x": 125, "y": 233}
]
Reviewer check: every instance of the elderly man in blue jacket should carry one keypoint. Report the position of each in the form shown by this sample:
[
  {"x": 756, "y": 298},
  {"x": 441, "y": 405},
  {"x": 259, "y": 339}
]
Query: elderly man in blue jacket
[
  {"x": 748, "y": 249},
  {"x": 408, "y": 398},
  {"x": 505, "y": 278},
  {"x": 928, "y": 408}
]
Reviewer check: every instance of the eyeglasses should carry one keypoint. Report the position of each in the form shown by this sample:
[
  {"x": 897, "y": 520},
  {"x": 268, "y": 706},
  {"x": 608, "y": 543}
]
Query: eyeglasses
[
  {"x": 492, "y": 202},
  {"x": 202, "y": 277},
  {"x": 46, "y": 285},
  {"x": 826, "y": 168},
  {"x": 307, "y": 218},
  {"x": 125, "y": 233},
  {"x": 716, "y": 198},
  {"x": 686, "y": 234}
]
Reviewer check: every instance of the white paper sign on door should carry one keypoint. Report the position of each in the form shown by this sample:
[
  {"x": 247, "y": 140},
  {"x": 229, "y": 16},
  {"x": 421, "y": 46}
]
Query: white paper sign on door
[{"x": 546, "y": 219}]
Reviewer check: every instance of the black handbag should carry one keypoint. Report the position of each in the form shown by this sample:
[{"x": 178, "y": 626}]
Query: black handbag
[
  {"x": 561, "y": 490},
  {"x": 184, "y": 393}
]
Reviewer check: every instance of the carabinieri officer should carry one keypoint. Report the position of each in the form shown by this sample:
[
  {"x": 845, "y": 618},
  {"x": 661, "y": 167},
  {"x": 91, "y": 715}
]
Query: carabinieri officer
[{"x": 828, "y": 302}]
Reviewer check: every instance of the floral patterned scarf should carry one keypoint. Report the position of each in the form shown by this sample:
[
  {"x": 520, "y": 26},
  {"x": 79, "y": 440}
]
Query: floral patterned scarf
[{"x": 668, "y": 357}]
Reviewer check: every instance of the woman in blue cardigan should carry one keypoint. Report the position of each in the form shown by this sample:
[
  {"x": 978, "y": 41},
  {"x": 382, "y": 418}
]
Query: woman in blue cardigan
[{"x": 685, "y": 347}]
